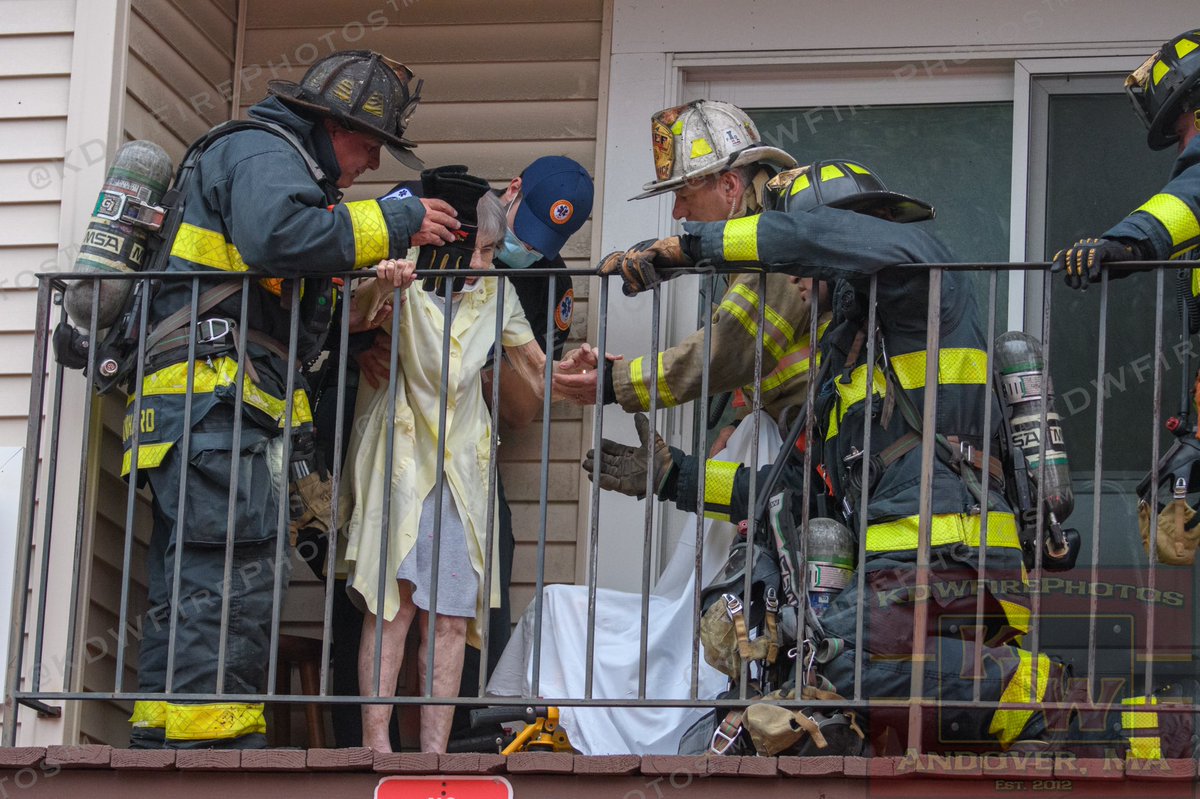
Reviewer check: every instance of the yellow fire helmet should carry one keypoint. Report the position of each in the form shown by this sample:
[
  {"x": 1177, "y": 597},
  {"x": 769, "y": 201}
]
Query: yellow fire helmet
[
  {"x": 703, "y": 138},
  {"x": 1165, "y": 86}
]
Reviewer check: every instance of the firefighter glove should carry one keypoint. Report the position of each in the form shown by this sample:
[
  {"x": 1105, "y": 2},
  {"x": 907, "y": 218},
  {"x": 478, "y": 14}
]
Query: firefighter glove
[
  {"x": 1082, "y": 261},
  {"x": 623, "y": 466},
  {"x": 646, "y": 264}
]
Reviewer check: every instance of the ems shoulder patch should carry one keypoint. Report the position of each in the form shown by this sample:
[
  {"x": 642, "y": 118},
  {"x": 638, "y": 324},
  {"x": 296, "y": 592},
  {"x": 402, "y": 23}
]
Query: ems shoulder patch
[{"x": 566, "y": 307}]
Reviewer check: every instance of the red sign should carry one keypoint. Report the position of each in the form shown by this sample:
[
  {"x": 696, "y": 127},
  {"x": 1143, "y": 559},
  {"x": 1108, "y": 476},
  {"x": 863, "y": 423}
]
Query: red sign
[{"x": 434, "y": 787}]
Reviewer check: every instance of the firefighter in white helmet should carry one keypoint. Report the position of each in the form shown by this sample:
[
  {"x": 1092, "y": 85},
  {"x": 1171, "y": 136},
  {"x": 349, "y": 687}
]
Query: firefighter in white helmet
[{"x": 711, "y": 156}]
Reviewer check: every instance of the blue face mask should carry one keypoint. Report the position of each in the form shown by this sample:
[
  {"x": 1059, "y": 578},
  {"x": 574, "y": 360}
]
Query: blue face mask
[{"x": 514, "y": 253}]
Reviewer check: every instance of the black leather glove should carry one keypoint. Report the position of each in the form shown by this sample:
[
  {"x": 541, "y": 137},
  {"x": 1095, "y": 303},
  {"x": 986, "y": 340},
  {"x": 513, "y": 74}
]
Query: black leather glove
[
  {"x": 623, "y": 466},
  {"x": 1083, "y": 260},
  {"x": 646, "y": 264}
]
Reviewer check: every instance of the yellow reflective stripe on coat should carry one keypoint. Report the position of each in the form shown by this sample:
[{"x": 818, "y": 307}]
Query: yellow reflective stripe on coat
[
  {"x": 207, "y": 248},
  {"x": 1144, "y": 746},
  {"x": 149, "y": 456},
  {"x": 957, "y": 366},
  {"x": 947, "y": 528},
  {"x": 148, "y": 713},
  {"x": 795, "y": 362},
  {"x": 773, "y": 316},
  {"x": 743, "y": 306},
  {"x": 1007, "y": 724},
  {"x": 741, "y": 239},
  {"x": 666, "y": 398},
  {"x": 173, "y": 380},
  {"x": 718, "y": 488},
  {"x": 370, "y": 232},
  {"x": 1177, "y": 217},
  {"x": 641, "y": 387},
  {"x": 217, "y": 721}
]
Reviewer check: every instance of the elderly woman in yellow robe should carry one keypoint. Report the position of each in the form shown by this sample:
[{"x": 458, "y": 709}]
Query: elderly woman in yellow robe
[{"x": 410, "y": 541}]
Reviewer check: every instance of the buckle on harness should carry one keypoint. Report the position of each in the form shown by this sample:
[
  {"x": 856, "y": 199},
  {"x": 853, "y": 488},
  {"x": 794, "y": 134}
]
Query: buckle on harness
[
  {"x": 721, "y": 740},
  {"x": 211, "y": 330},
  {"x": 733, "y": 605},
  {"x": 966, "y": 452}
]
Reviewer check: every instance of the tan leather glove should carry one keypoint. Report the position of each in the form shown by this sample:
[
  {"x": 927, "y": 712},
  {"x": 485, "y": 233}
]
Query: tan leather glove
[
  {"x": 623, "y": 466},
  {"x": 645, "y": 264}
]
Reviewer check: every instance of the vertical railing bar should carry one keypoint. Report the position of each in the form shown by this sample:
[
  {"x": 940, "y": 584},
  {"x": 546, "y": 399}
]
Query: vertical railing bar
[
  {"x": 132, "y": 492},
  {"x": 802, "y": 578},
  {"x": 282, "y": 526},
  {"x": 1097, "y": 472},
  {"x": 331, "y": 547},
  {"x": 39, "y": 629},
  {"x": 644, "y": 630},
  {"x": 865, "y": 484},
  {"x": 26, "y": 512},
  {"x": 594, "y": 522},
  {"x": 925, "y": 525},
  {"x": 185, "y": 449},
  {"x": 85, "y": 469},
  {"x": 752, "y": 500},
  {"x": 439, "y": 487},
  {"x": 985, "y": 479},
  {"x": 234, "y": 476},
  {"x": 709, "y": 282},
  {"x": 1152, "y": 580},
  {"x": 489, "y": 548},
  {"x": 385, "y": 516},
  {"x": 1035, "y": 605},
  {"x": 544, "y": 477}
]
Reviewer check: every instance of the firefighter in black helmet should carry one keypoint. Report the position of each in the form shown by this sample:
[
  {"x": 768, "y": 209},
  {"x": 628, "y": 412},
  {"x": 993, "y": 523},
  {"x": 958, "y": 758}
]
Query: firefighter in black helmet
[
  {"x": 262, "y": 197},
  {"x": 836, "y": 221},
  {"x": 1166, "y": 96}
]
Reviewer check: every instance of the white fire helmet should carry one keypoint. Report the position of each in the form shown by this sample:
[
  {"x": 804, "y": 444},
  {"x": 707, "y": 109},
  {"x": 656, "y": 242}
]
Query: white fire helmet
[{"x": 702, "y": 138}]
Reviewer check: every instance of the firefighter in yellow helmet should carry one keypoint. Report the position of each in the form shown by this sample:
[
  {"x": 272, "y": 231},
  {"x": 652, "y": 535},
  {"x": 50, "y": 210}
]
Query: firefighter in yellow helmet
[{"x": 1166, "y": 95}]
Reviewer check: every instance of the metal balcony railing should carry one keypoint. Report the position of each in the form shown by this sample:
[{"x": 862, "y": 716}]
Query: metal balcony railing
[{"x": 1139, "y": 585}]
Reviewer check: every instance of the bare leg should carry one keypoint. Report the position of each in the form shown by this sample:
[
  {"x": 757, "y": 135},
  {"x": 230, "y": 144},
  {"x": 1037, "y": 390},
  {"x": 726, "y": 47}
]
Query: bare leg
[
  {"x": 451, "y": 642},
  {"x": 375, "y": 718}
]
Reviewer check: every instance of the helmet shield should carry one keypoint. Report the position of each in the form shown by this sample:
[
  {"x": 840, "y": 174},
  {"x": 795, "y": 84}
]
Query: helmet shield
[
  {"x": 841, "y": 184},
  {"x": 363, "y": 90},
  {"x": 702, "y": 138},
  {"x": 1166, "y": 85}
]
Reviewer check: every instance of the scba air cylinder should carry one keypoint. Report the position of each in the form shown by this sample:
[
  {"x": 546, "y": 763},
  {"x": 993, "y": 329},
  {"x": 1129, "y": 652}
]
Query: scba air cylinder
[
  {"x": 1020, "y": 363},
  {"x": 830, "y": 556},
  {"x": 115, "y": 239}
]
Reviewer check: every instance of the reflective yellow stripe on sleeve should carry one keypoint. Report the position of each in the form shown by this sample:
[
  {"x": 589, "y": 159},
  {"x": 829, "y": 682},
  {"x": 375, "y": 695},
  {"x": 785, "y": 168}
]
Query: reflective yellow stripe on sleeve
[
  {"x": 207, "y": 248},
  {"x": 741, "y": 239},
  {"x": 639, "y": 383},
  {"x": 370, "y": 232},
  {"x": 218, "y": 721},
  {"x": 742, "y": 304},
  {"x": 718, "y": 488},
  {"x": 1007, "y": 724},
  {"x": 641, "y": 387},
  {"x": 1177, "y": 217},
  {"x": 773, "y": 318}
]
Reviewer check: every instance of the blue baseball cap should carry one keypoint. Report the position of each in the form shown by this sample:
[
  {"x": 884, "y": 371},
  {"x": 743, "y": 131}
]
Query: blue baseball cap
[{"x": 556, "y": 199}]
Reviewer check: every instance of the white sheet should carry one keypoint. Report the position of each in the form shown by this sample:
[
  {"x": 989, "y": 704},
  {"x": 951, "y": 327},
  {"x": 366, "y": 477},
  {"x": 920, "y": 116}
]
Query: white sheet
[{"x": 624, "y": 730}]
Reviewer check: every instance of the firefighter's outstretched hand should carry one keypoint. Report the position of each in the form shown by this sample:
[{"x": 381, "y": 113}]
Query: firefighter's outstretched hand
[
  {"x": 1083, "y": 260},
  {"x": 645, "y": 264},
  {"x": 438, "y": 225},
  {"x": 623, "y": 466}
]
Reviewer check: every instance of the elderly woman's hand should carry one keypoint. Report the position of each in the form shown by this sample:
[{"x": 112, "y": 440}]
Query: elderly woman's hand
[
  {"x": 396, "y": 271},
  {"x": 374, "y": 306}
]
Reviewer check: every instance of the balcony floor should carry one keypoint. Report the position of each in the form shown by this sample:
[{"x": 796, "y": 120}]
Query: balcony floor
[{"x": 102, "y": 772}]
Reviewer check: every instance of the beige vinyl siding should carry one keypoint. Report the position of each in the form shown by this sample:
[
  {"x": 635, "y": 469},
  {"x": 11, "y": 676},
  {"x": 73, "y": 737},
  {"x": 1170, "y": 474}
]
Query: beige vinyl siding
[
  {"x": 179, "y": 70},
  {"x": 505, "y": 83},
  {"x": 35, "y": 75}
]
